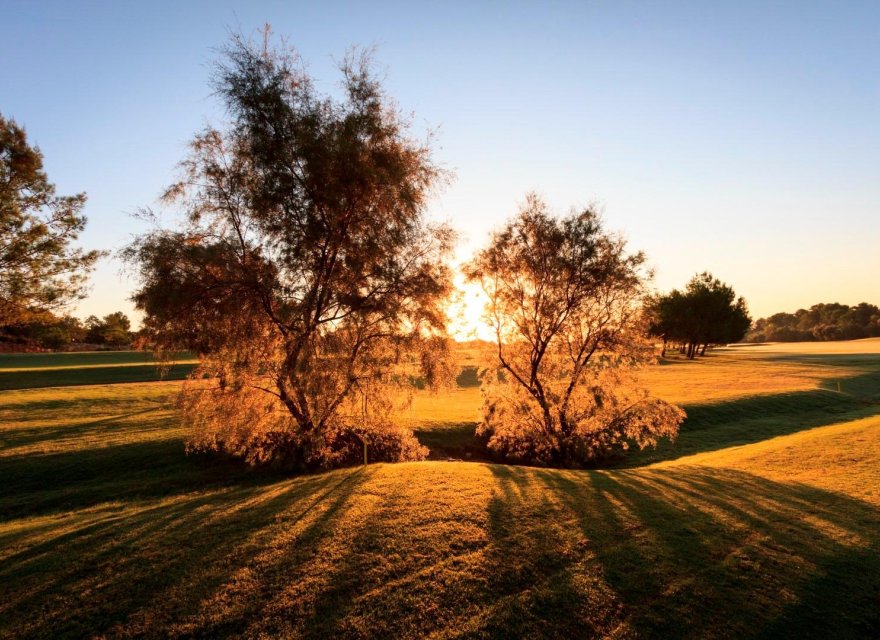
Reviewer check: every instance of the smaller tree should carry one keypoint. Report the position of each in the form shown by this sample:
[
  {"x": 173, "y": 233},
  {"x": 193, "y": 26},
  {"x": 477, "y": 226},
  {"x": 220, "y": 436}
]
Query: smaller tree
[
  {"x": 706, "y": 313},
  {"x": 39, "y": 269},
  {"x": 113, "y": 330},
  {"x": 563, "y": 302},
  {"x": 44, "y": 330},
  {"x": 666, "y": 315},
  {"x": 58, "y": 333}
]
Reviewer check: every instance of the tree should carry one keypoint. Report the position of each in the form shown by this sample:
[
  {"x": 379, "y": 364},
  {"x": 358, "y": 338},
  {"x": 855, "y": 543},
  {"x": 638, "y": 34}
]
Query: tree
[
  {"x": 305, "y": 275},
  {"x": 113, "y": 330},
  {"x": 117, "y": 329},
  {"x": 563, "y": 301},
  {"x": 708, "y": 312},
  {"x": 40, "y": 270},
  {"x": 665, "y": 314},
  {"x": 57, "y": 333}
]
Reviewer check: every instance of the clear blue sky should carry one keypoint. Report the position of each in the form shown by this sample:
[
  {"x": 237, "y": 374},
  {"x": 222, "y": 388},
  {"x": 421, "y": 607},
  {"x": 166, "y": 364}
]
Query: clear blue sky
[{"x": 743, "y": 139}]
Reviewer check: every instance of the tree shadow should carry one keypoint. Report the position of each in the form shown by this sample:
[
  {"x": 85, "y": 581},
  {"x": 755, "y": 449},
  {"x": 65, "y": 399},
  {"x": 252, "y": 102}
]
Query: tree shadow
[
  {"x": 542, "y": 586},
  {"x": 406, "y": 557},
  {"x": 149, "y": 567},
  {"x": 454, "y": 550},
  {"x": 867, "y": 358},
  {"x": 24, "y": 405},
  {"x": 34, "y": 485},
  {"x": 713, "y": 552},
  {"x": 25, "y": 436}
]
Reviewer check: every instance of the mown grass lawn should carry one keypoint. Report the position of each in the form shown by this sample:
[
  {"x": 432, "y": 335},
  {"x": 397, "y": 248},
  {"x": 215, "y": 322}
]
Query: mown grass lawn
[
  {"x": 36, "y": 370},
  {"x": 763, "y": 520}
]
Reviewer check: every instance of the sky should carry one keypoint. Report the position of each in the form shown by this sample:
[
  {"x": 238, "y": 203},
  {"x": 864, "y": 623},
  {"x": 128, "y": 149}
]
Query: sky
[{"x": 741, "y": 138}]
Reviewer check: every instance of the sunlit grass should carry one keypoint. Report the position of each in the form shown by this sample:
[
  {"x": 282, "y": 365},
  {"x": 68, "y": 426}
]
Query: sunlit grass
[
  {"x": 763, "y": 520},
  {"x": 445, "y": 422},
  {"x": 725, "y": 375},
  {"x": 842, "y": 457}
]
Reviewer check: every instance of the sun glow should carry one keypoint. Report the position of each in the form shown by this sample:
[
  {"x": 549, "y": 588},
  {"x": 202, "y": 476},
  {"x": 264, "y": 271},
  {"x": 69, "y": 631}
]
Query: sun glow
[{"x": 466, "y": 312}]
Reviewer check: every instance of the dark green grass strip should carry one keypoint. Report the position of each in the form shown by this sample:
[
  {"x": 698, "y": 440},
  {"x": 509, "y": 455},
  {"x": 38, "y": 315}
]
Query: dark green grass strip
[
  {"x": 40, "y": 378},
  {"x": 78, "y": 359}
]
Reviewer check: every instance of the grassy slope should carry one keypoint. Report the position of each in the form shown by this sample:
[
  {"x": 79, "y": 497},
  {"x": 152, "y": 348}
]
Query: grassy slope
[{"x": 107, "y": 529}]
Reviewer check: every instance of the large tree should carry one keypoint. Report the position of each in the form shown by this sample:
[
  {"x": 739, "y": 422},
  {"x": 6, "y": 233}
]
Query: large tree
[
  {"x": 40, "y": 270},
  {"x": 564, "y": 305},
  {"x": 306, "y": 275}
]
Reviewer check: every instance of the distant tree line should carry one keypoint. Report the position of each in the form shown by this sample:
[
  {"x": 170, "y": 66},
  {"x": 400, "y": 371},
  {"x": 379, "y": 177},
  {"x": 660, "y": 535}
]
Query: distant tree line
[
  {"x": 708, "y": 312},
  {"x": 820, "y": 322},
  {"x": 48, "y": 331}
]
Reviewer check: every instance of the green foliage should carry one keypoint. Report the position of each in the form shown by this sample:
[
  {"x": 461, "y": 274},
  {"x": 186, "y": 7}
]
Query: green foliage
[
  {"x": 563, "y": 304},
  {"x": 306, "y": 276},
  {"x": 706, "y": 313},
  {"x": 113, "y": 330},
  {"x": 44, "y": 330},
  {"x": 39, "y": 269},
  {"x": 48, "y": 331},
  {"x": 820, "y": 322}
]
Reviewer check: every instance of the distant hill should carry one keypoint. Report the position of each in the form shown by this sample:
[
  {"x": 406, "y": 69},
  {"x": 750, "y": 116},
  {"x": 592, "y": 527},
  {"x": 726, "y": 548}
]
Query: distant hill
[{"x": 821, "y": 322}]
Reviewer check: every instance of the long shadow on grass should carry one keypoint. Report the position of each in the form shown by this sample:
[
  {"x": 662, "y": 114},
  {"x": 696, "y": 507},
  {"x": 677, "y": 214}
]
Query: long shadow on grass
[
  {"x": 714, "y": 426},
  {"x": 688, "y": 553},
  {"x": 867, "y": 358},
  {"x": 36, "y": 407},
  {"x": 152, "y": 568},
  {"x": 13, "y": 438},
  {"x": 409, "y": 563},
  {"x": 34, "y": 484},
  {"x": 513, "y": 552}
]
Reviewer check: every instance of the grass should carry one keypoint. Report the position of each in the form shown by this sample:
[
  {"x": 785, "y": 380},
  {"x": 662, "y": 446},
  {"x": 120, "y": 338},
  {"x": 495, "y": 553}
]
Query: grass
[
  {"x": 763, "y": 520},
  {"x": 37, "y": 370},
  {"x": 79, "y": 359},
  {"x": 445, "y": 422}
]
